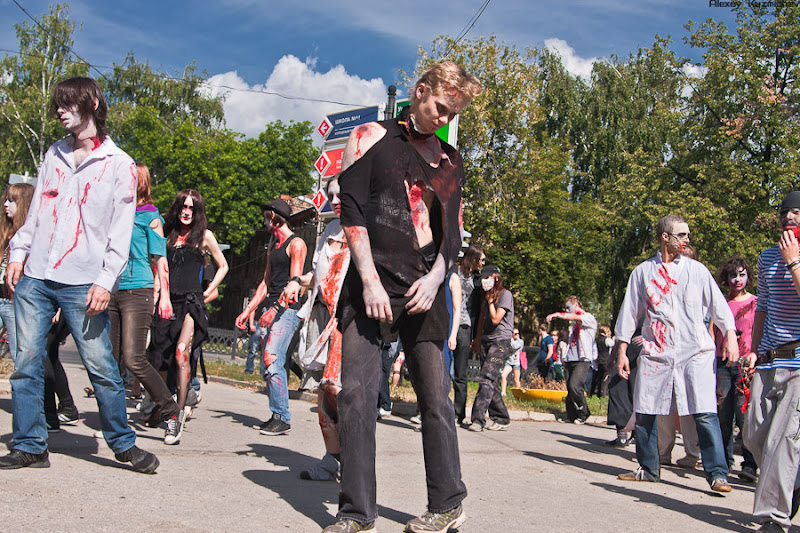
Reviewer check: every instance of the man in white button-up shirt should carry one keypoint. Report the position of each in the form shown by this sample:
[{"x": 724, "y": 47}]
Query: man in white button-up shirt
[
  {"x": 75, "y": 240},
  {"x": 674, "y": 294}
]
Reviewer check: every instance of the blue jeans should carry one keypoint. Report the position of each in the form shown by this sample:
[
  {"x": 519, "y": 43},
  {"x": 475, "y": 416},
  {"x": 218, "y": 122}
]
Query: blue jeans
[
  {"x": 708, "y": 432},
  {"x": 7, "y": 316},
  {"x": 256, "y": 342},
  {"x": 35, "y": 303},
  {"x": 278, "y": 339}
]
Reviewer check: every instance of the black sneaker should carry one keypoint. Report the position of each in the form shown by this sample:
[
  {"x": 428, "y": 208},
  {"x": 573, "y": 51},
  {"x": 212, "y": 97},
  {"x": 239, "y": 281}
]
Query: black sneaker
[
  {"x": 20, "y": 459},
  {"x": 175, "y": 428},
  {"x": 68, "y": 417},
  {"x": 276, "y": 426},
  {"x": 263, "y": 425},
  {"x": 142, "y": 461}
]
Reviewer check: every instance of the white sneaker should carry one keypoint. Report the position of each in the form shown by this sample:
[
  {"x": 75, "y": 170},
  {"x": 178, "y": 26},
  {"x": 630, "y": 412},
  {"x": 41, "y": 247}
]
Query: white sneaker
[
  {"x": 384, "y": 413},
  {"x": 416, "y": 419}
]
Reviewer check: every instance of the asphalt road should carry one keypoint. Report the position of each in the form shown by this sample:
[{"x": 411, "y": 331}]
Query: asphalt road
[{"x": 225, "y": 476}]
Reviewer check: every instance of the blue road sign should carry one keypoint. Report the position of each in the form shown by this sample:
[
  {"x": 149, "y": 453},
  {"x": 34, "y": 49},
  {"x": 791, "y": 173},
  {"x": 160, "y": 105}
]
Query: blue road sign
[{"x": 343, "y": 123}]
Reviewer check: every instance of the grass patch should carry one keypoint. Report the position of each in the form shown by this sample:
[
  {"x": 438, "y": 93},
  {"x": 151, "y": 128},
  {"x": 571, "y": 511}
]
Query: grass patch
[
  {"x": 597, "y": 406},
  {"x": 404, "y": 392},
  {"x": 6, "y": 366},
  {"x": 236, "y": 371}
]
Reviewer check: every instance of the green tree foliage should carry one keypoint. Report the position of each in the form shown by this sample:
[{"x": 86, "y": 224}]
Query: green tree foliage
[
  {"x": 742, "y": 130},
  {"x": 516, "y": 200},
  {"x": 168, "y": 122},
  {"x": 26, "y": 79}
]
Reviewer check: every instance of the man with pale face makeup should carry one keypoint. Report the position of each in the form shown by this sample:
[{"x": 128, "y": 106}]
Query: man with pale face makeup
[
  {"x": 676, "y": 365},
  {"x": 771, "y": 427},
  {"x": 401, "y": 199},
  {"x": 581, "y": 351},
  {"x": 76, "y": 241}
]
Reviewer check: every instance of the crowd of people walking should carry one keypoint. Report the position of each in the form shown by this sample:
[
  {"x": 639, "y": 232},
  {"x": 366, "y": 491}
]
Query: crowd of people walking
[{"x": 86, "y": 253}]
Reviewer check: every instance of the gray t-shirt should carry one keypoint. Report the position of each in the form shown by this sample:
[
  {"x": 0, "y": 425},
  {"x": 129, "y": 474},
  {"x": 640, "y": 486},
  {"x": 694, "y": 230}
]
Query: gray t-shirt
[
  {"x": 504, "y": 330},
  {"x": 467, "y": 286}
]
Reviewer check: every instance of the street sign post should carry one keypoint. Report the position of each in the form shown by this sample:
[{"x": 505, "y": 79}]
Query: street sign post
[
  {"x": 319, "y": 200},
  {"x": 339, "y": 125}
]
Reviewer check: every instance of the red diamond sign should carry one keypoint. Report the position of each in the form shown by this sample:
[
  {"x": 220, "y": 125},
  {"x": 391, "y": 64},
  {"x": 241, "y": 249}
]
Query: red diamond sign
[
  {"x": 324, "y": 128},
  {"x": 319, "y": 200},
  {"x": 322, "y": 163}
]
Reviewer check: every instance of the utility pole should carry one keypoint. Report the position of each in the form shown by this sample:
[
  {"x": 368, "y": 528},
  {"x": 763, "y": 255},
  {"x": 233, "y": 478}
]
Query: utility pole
[{"x": 390, "y": 104}]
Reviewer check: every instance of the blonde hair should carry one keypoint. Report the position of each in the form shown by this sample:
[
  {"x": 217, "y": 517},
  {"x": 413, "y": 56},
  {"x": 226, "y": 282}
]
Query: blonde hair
[
  {"x": 142, "y": 184},
  {"x": 451, "y": 75}
]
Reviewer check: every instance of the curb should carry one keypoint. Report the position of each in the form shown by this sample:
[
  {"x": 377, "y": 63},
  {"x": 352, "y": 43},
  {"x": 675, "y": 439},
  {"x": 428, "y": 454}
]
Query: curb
[{"x": 403, "y": 409}]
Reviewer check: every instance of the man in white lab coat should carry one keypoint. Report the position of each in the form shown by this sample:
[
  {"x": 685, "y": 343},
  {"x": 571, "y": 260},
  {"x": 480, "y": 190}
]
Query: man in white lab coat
[{"x": 674, "y": 294}]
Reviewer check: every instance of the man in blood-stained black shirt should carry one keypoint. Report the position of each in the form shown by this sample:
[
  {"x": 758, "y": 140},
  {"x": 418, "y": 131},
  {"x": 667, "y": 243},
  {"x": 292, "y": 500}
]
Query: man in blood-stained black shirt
[{"x": 401, "y": 202}]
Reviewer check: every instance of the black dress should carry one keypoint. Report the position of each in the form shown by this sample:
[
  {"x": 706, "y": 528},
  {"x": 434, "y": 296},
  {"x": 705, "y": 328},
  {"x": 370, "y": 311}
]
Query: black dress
[{"x": 186, "y": 295}]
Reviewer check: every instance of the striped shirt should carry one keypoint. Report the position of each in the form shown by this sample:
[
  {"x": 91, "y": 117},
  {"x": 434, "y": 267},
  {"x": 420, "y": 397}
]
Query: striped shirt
[{"x": 778, "y": 298}]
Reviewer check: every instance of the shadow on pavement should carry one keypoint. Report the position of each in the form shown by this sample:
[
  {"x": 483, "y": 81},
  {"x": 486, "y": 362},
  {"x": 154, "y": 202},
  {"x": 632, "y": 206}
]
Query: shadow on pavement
[
  {"x": 729, "y": 519},
  {"x": 606, "y": 469},
  {"x": 248, "y": 421},
  {"x": 306, "y": 497}
]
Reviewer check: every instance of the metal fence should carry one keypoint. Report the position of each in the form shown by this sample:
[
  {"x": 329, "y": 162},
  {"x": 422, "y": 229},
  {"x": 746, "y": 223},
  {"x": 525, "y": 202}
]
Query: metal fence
[
  {"x": 226, "y": 342},
  {"x": 234, "y": 343}
]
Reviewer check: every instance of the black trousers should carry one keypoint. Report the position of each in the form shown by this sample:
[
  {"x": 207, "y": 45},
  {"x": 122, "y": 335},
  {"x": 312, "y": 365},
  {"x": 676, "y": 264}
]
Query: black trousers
[
  {"x": 56, "y": 382},
  {"x": 577, "y": 408},
  {"x": 460, "y": 366},
  {"x": 361, "y": 376}
]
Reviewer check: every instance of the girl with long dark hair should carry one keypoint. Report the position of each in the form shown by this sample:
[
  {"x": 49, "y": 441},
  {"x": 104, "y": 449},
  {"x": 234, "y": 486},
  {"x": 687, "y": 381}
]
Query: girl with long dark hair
[
  {"x": 175, "y": 339},
  {"x": 16, "y": 201}
]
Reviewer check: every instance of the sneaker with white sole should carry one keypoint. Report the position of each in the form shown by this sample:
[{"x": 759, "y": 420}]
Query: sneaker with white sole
[
  {"x": 276, "y": 426},
  {"x": 175, "y": 428},
  {"x": 437, "y": 522}
]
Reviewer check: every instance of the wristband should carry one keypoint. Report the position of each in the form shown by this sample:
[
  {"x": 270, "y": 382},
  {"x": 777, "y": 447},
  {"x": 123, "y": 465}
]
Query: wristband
[
  {"x": 296, "y": 279},
  {"x": 793, "y": 264},
  {"x": 793, "y": 267}
]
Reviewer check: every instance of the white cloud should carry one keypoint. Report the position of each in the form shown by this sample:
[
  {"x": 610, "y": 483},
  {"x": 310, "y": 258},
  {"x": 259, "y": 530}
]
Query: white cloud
[
  {"x": 692, "y": 72},
  {"x": 577, "y": 66},
  {"x": 248, "y": 109}
]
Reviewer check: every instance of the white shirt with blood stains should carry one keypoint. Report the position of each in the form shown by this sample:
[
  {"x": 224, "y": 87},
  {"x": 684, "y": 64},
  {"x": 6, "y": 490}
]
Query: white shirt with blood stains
[
  {"x": 79, "y": 224},
  {"x": 678, "y": 355}
]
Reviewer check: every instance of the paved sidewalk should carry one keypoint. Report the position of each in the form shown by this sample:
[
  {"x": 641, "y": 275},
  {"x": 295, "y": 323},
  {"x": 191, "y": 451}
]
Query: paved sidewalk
[{"x": 225, "y": 476}]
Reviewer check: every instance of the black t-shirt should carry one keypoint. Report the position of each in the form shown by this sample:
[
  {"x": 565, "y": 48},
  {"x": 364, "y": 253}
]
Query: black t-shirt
[{"x": 373, "y": 196}]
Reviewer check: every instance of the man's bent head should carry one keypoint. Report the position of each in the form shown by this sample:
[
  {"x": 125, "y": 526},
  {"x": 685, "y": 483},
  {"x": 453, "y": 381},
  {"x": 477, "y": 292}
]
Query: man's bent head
[{"x": 83, "y": 97}]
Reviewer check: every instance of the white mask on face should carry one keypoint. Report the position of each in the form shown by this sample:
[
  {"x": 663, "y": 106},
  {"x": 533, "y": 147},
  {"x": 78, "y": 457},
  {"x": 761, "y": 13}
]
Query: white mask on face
[
  {"x": 487, "y": 283},
  {"x": 570, "y": 308}
]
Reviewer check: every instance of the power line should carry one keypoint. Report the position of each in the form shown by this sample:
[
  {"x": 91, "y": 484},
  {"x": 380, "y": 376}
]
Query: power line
[
  {"x": 205, "y": 83},
  {"x": 471, "y": 23}
]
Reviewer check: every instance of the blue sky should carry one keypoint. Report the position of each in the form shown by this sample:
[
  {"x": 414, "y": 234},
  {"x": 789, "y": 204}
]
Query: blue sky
[{"x": 349, "y": 50}]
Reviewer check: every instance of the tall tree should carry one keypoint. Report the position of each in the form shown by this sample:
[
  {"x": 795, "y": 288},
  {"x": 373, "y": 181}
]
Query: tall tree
[{"x": 26, "y": 79}]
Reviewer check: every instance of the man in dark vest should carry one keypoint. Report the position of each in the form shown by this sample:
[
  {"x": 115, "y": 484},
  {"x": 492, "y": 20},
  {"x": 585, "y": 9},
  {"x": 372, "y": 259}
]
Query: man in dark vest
[
  {"x": 401, "y": 200},
  {"x": 280, "y": 286}
]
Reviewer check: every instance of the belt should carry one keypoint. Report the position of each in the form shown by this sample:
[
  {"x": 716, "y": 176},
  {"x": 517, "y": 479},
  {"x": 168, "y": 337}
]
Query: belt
[{"x": 784, "y": 351}]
